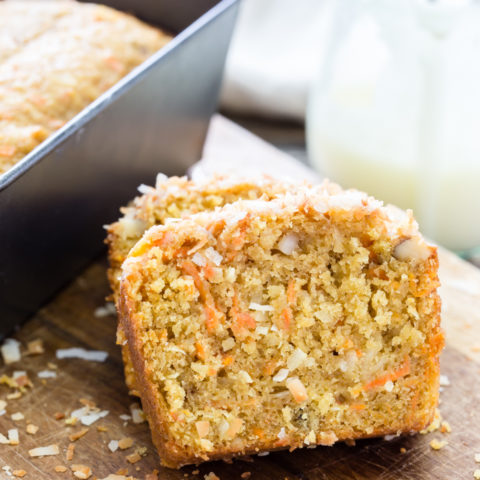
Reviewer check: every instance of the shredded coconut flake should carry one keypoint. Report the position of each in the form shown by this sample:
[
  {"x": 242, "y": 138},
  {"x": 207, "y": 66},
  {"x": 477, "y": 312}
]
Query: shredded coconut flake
[
  {"x": 288, "y": 243},
  {"x": 93, "y": 417},
  {"x": 13, "y": 436},
  {"x": 144, "y": 189},
  {"x": 260, "y": 308},
  {"x": 11, "y": 351},
  {"x": 444, "y": 381},
  {"x": 105, "y": 310},
  {"x": 199, "y": 259},
  {"x": 161, "y": 178},
  {"x": 281, "y": 434},
  {"x": 113, "y": 445},
  {"x": 296, "y": 359},
  {"x": 47, "y": 374},
  {"x": 92, "y": 355},
  {"x": 213, "y": 256},
  {"x": 281, "y": 375}
]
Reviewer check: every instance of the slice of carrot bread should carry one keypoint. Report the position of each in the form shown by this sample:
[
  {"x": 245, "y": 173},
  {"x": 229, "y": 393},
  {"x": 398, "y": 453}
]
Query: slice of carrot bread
[
  {"x": 173, "y": 198},
  {"x": 303, "y": 320}
]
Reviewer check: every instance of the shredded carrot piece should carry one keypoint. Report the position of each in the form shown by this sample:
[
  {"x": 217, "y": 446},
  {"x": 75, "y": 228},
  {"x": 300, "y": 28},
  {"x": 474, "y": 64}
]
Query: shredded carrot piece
[
  {"x": 208, "y": 272},
  {"x": 201, "y": 354},
  {"x": 347, "y": 344},
  {"x": 286, "y": 318},
  {"x": 269, "y": 367},
  {"x": 211, "y": 320},
  {"x": 211, "y": 371},
  {"x": 403, "y": 370},
  {"x": 359, "y": 353},
  {"x": 7, "y": 150},
  {"x": 228, "y": 360},
  {"x": 259, "y": 432},
  {"x": 114, "y": 63},
  {"x": 291, "y": 292},
  {"x": 242, "y": 321},
  {"x": 358, "y": 406},
  {"x": 216, "y": 227}
]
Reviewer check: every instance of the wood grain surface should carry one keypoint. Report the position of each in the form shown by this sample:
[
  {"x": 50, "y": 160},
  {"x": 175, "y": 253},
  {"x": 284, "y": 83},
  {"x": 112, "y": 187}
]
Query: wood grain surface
[{"x": 69, "y": 321}]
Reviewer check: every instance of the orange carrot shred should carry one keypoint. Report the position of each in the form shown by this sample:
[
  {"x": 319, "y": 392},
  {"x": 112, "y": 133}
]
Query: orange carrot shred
[
  {"x": 291, "y": 292},
  {"x": 201, "y": 354},
  {"x": 286, "y": 318},
  {"x": 403, "y": 370},
  {"x": 358, "y": 406},
  {"x": 7, "y": 150},
  {"x": 228, "y": 360}
]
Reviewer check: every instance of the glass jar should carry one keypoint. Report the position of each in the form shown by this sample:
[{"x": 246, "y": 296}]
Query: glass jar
[{"x": 396, "y": 110}]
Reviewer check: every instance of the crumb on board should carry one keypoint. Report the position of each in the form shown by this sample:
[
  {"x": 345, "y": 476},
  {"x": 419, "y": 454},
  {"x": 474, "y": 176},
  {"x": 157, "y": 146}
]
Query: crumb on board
[
  {"x": 70, "y": 451},
  {"x": 81, "y": 471},
  {"x": 133, "y": 457},
  {"x": 246, "y": 475},
  {"x": 436, "y": 444},
  {"x": 125, "y": 442},
  {"x": 19, "y": 473},
  {"x": 477, "y": 457},
  {"x": 44, "y": 451},
  {"x": 77, "y": 435},
  {"x": 211, "y": 476},
  {"x": 60, "y": 468},
  {"x": 445, "y": 427},
  {"x": 113, "y": 445},
  {"x": 17, "y": 416},
  {"x": 58, "y": 415},
  {"x": 403, "y": 450},
  {"x": 152, "y": 476},
  {"x": 102, "y": 428},
  {"x": 32, "y": 429},
  {"x": 35, "y": 347}
]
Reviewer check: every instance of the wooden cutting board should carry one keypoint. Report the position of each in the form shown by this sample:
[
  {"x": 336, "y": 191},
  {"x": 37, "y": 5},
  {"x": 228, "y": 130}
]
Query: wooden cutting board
[{"x": 69, "y": 321}]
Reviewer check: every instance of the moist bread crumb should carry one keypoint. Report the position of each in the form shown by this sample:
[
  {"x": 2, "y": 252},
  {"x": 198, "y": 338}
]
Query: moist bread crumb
[{"x": 243, "y": 343}]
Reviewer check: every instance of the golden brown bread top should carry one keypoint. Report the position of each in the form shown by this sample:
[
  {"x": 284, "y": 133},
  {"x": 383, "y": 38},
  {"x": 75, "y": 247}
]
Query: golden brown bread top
[{"x": 55, "y": 59}]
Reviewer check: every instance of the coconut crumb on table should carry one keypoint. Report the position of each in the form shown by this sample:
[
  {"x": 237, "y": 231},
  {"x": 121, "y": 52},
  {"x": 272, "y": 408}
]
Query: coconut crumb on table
[
  {"x": 133, "y": 457},
  {"x": 44, "y": 451},
  {"x": 35, "y": 347},
  {"x": 81, "y": 471},
  {"x": 17, "y": 416},
  {"x": 125, "y": 442},
  {"x": 31, "y": 429},
  {"x": 445, "y": 427},
  {"x": 19, "y": 473},
  {"x": 246, "y": 475},
  {"x": 58, "y": 415},
  {"x": 436, "y": 444},
  {"x": 60, "y": 468},
  {"x": 477, "y": 457}
]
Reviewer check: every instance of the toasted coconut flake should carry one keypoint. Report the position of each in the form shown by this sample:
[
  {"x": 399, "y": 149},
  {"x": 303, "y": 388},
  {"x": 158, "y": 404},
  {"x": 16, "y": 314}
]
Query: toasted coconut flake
[
  {"x": 47, "y": 374},
  {"x": 91, "y": 355},
  {"x": 211, "y": 476},
  {"x": 113, "y": 445},
  {"x": 60, "y": 468},
  {"x": 102, "y": 428},
  {"x": 13, "y": 436},
  {"x": 32, "y": 429},
  {"x": 17, "y": 416},
  {"x": 14, "y": 396},
  {"x": 75, "y": 436},
  {"x": 70, "y": 451},
  {"x": 58, "y": 415},
  {"x": 35, "y": 347},
  {"x": 81, "y": 471},
  {"x": 3, "y": 404},
  {"x": 246, "y": 475},
  {"x": 199, "y": 259},
  {"x": 11, "y": 351},
  {"x": 19, "y": 473},
  {"x": 44, "y": 451},
  {"x": 125, "y": 442},
  {"x": 133, "y": 457},
  {"x": 297, "y": 389},
  {"x": 436, "y": 444}
]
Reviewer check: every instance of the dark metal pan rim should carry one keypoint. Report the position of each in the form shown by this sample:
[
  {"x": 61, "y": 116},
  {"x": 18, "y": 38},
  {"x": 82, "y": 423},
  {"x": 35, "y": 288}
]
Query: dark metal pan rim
[{"x": 78, "y": 121}]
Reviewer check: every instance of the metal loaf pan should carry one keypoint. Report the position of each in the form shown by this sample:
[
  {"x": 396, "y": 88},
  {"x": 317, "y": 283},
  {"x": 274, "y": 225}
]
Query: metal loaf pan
[{"x": 54, "y": 202}]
